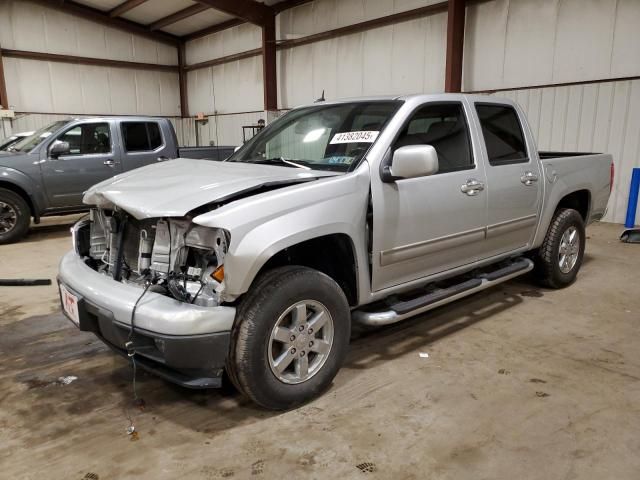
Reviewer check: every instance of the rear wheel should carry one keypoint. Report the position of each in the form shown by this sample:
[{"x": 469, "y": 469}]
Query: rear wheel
[
  {"x": 15, "y": 216},
  {"x": 560, "y": 256},
  {"x": 291, "y": 337}
]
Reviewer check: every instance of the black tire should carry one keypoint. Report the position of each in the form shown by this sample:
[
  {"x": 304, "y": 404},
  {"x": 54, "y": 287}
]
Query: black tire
[
  {"x": 547, "y": 258},
  {"x": 267, "y": 300},
  {"x": 15, "y": 212}
]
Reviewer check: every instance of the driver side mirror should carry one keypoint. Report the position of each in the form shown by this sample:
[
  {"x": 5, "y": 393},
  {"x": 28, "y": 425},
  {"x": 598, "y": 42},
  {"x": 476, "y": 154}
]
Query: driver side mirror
[
  {"x": 414, "y": 161},
  {"x": 58, "y": 149}
]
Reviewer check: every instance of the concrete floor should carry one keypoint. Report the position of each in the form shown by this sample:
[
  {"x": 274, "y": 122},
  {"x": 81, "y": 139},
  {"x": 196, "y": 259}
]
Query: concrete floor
[{"x": 519, "y": 383}]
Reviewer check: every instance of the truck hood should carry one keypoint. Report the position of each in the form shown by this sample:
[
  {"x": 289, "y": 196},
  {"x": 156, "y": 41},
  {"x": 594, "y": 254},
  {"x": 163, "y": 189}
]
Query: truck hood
[
  {"x": 15, "y": 159},
  {"x": 176, "y": 187}
]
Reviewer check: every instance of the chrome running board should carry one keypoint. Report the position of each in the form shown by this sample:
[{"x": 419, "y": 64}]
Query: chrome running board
[{"x": 402, "y": 310}]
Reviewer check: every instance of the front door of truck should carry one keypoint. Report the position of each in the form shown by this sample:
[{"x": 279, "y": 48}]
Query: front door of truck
[
  {"x": 92, "y": 158},
  {"x": 514, "y": 180},
  {"x": 426, "y": 225}
]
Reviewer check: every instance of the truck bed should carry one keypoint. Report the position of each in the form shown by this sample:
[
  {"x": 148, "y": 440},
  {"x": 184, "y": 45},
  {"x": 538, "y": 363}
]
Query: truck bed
[{"x": 548, "y": 154}]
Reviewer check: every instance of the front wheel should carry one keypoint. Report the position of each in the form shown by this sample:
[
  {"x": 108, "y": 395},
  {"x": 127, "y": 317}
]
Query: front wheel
[
  {"x": 15, "y": 217},
  {"x": 560, "y": 255},
  {"x": 291, "y": 337}
]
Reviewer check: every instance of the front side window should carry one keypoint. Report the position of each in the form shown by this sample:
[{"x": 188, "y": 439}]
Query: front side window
[
  {"x": 87, "y": 139},
  {"x": 444, "y": 127},
  {"x": 502, "y": 134},
  {"x": 141, "y": 136},
  {"x": 323, "y": 137}
]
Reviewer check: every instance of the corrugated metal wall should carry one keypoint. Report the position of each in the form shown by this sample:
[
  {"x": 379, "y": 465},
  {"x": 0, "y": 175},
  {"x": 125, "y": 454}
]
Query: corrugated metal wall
[
  {"x": 515, "y": 43},
  {"x": 49, "y": 87}
]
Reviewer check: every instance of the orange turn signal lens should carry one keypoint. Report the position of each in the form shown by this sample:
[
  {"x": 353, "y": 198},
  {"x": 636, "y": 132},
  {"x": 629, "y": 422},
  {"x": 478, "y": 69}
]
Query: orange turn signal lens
[{"x": 218, "y": 274}]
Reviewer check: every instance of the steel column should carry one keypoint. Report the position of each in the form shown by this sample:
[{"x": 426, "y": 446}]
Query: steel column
[
  {"x": 455, "y": 46},
  {"x": 269, "y": 73}
]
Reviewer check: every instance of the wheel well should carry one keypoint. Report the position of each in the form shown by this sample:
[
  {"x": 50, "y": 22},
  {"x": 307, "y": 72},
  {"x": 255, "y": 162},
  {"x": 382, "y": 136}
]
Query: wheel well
[
  {"x": 332, "y": 255},
  {"x": 579, "y": 200},
  {"x": 19, "y": 191}
]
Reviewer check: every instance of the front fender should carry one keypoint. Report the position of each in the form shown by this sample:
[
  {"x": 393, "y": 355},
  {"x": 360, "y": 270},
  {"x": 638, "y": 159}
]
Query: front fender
[
  {"x": 263, "y": 225},
  {"x": 28, "y": 185}
]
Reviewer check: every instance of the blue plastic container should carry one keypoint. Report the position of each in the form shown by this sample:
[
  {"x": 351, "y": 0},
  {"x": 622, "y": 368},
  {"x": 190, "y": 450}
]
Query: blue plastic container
[{"x": 633, "y": 199}]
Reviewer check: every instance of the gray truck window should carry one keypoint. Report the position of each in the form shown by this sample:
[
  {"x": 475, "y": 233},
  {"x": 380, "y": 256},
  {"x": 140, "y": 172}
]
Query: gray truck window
[
  {"x": 141, "y": 136},
  {"x": 444, "y": 127},
  {"x": 502, "y": 134},
  {"x": 88, "y": 138}
]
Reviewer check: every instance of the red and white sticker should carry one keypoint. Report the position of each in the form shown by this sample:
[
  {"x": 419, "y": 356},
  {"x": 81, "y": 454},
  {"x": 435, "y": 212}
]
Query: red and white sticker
[{"x": 355, "y": 137}]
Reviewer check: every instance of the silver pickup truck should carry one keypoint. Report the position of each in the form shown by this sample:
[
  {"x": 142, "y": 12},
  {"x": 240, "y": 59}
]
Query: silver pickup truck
[
  {"x": 47, "y": 172},
  {"x": 369, "y": 210}
]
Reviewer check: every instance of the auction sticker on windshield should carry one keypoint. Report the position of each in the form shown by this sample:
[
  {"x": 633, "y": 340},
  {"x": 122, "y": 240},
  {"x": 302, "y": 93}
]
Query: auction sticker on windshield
[{"x": 355, "y": 137}]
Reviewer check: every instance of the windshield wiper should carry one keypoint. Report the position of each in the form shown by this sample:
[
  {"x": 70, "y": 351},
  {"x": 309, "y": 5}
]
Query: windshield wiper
[{"x": 279, "y": 160}]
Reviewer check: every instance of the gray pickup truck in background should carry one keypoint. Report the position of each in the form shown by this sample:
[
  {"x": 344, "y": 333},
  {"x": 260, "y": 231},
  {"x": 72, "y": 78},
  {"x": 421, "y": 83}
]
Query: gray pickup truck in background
[
  {"x": 47, "y": 172},
  {"x": 368, "y": 210}
]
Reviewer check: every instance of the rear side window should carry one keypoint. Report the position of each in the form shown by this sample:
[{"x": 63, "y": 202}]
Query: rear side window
[
  {"x": 444, "y": 127},
  {"x": 141, "y": 136},
  {"x": 502, "y": 134}
]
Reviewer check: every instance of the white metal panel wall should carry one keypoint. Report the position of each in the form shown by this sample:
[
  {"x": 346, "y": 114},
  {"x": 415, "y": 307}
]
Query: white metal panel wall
[
  {"x": 228, "y": 88},
  {"x": 51, "y": 87},
  {"x": 407, "y": 57},
  {"x": 322, "y": 15},
  {"x": 32, "y": 27},
  {"x": 515, "y": 43},
  {"x": 599, "y": 117},
  {"x": 227, "y": 42}
]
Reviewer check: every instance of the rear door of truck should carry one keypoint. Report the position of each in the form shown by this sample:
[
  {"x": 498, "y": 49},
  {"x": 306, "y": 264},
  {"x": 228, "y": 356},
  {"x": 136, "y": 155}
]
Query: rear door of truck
[
  {"x": 514, "y": 178},
  {"x": 145, "y": 142}
]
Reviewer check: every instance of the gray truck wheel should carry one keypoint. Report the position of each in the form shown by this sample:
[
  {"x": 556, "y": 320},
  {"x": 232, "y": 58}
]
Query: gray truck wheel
[
  {"x": 290, "y": 338},
  {"x": 15, "y": 217},
  {"x": 560, "y": 255}
]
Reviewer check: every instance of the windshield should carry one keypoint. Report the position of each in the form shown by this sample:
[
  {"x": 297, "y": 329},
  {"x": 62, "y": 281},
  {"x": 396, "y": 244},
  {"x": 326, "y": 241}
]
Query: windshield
[
  {"x": 5, "y": 143},
  {"x": 29, "y": 143},
  {"x": 324, "y": 137}
]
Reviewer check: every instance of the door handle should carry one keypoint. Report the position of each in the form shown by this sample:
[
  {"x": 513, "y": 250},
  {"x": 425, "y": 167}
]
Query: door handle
[
  {"x": 472, "y": 187},
  {"x": 109, "y": 163},
  {"x": 528, "y": 178}
]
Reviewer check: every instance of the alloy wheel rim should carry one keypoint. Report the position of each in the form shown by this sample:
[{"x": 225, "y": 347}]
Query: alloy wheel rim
[
  {"x": 8, "y": 217},
  {"x": 300, "y": 342},
  {"x": 569, "y": 249}
]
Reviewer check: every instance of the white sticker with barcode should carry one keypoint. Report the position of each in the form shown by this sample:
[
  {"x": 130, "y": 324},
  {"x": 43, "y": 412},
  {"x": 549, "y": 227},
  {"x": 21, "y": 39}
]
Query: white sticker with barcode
[{"x": 355, "y": 137}]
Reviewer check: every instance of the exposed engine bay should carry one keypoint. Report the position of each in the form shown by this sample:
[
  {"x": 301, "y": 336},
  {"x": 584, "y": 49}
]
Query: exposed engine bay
[{"x": 170, "y": 256}]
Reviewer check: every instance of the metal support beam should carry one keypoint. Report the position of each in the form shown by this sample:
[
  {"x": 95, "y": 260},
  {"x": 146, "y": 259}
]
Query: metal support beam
[
  {"x": 4, "y": 99},
  {"x": 252, "y": 12},
  {"x": 182, "y": 81},
  {"x": 218, "y": 27},
  {"x": 269, "y": 72},
  {"x": 124, "y": 7},
  {"x": 99, "y": 62},
  {"x": 455, "y": 46},
  {"x": 176, "y": 17}
]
